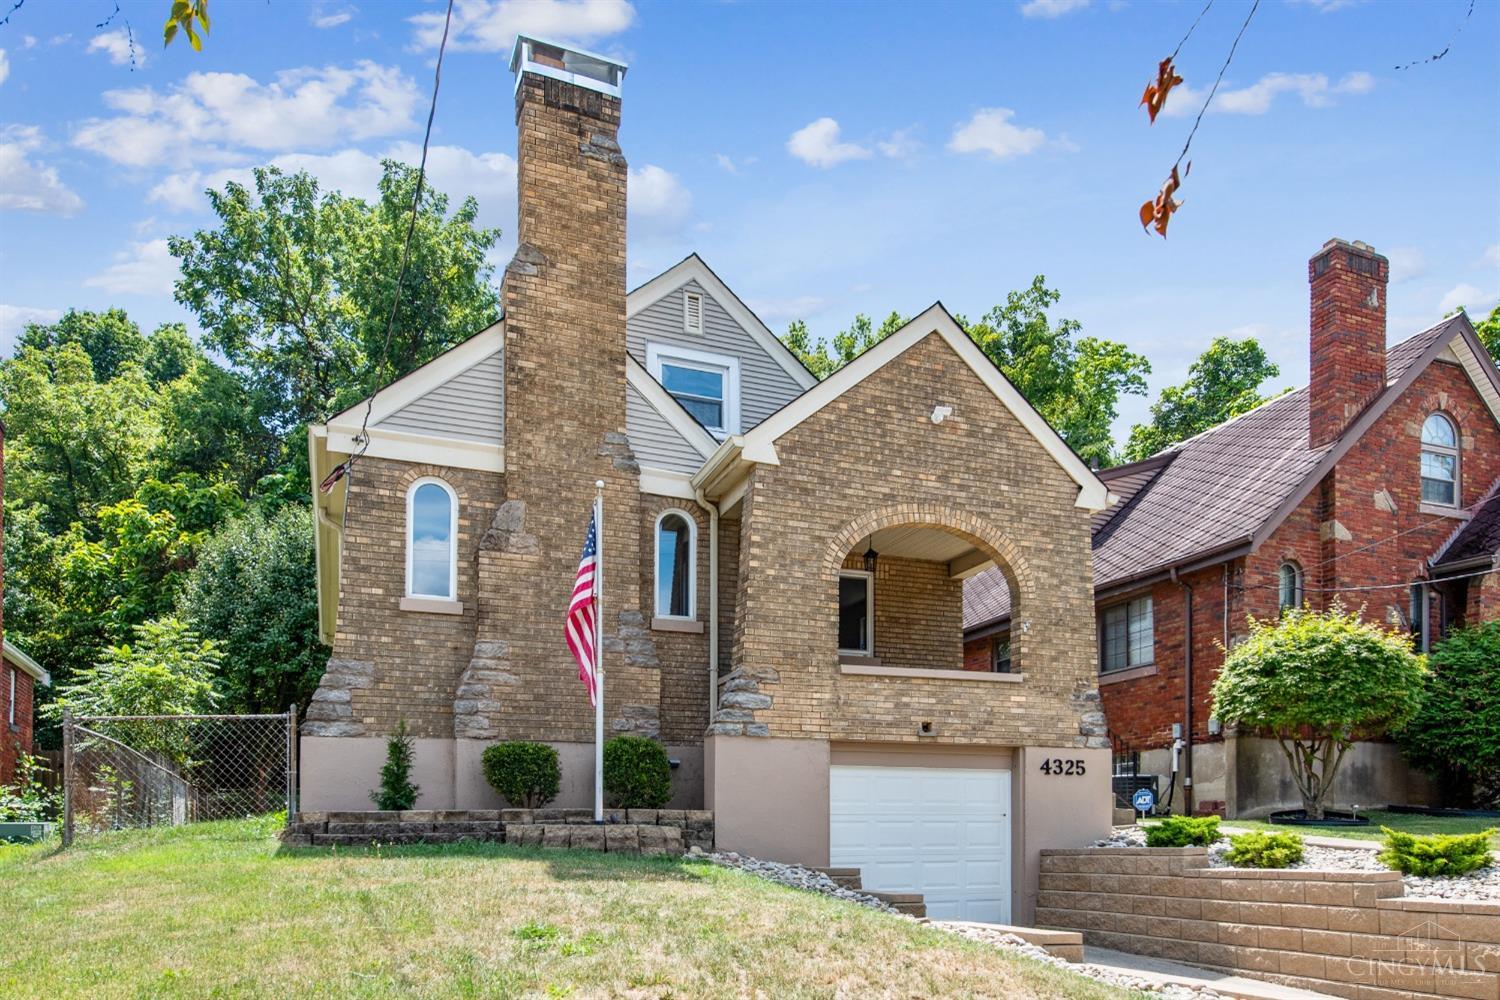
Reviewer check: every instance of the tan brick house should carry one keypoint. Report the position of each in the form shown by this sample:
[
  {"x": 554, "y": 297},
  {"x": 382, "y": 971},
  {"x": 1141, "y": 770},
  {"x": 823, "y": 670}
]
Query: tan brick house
[
  {"x": 1377, "y": 485},
  {"x": 784, "y": 559}
]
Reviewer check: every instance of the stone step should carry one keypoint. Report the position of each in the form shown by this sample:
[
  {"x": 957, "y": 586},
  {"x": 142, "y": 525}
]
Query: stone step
[
  {"x": 1067, "y": 945},
  {"x": 911, "y": 903},
  {"x": 847, "y": 878}
]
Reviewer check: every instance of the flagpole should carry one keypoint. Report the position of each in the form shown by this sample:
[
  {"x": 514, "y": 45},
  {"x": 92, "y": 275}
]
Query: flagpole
[{"x": 599, "y": 651}]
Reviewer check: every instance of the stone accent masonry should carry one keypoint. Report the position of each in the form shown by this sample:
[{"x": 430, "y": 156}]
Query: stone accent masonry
[
  {"x": 1349, "y": 934},
  {"x": 629, "y": 831}
]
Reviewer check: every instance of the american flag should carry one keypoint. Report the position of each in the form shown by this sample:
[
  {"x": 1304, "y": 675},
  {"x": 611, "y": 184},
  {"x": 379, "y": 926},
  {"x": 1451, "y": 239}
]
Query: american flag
[{"x": 580, "y": 630}]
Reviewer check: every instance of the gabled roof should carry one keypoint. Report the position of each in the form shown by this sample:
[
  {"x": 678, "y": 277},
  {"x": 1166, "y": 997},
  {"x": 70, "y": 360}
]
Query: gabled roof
[
  {"x": 694, "y": 268},
  {"x": 759, "y": 444},
  {"x": 1222, "y": 493},
  {"x": 13, "y": 654},
  {"x": 1475, "y": 544}
]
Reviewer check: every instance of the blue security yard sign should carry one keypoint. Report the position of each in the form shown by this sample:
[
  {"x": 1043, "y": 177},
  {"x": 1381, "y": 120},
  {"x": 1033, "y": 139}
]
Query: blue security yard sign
[{"x": 1144, "y": 800}]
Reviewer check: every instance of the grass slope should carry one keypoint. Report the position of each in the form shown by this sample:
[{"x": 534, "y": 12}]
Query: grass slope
[{"x": 218, "y": 910}]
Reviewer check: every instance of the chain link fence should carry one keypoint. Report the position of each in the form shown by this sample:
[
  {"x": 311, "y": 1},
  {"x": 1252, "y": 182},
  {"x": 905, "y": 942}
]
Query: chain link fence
[{"x": 124, "y": 772}]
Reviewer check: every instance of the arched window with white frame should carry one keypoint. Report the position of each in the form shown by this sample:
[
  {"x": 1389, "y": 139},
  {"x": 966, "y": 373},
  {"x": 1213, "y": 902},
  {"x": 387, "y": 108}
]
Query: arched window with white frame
[
  {"x": 676, "y": 565},
  {"x": 1289, "y": 584},
  {"x": 432, "y": 540},
  {"x": 1440, "y": 461}
]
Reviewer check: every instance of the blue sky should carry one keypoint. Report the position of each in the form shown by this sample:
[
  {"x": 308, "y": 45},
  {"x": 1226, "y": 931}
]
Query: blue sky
[{"x": 824, "y": 158}]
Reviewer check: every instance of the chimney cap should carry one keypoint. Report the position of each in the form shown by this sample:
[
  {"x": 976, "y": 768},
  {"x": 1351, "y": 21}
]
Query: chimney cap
[
  {"x": 567, "y": 63},
  {"x": 1359, "y": 246}
]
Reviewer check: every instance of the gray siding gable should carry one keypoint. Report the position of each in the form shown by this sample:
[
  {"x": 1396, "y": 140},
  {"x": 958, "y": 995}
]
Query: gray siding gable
[
  {"x": 765, "y": 386},
  {"x": 470, "y": 406},
  {"x": 656, "y": 443}
]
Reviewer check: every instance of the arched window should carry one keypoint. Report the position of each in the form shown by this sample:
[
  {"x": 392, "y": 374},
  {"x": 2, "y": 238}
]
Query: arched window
[
  {"x": 676, "y": 572},
  {"x": 432, "y": 540},
  {"x": 1440, "y": 461},
  {"x": 1290, "y": 580}
]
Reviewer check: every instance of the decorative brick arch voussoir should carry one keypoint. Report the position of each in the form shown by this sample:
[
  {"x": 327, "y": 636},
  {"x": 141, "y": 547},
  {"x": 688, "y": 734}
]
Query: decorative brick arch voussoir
[{"x": 983, "y": 535}]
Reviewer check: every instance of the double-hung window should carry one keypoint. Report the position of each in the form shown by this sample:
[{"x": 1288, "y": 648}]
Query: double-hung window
[
  {"x": 707, "y": 385},
  {"x": 1439, "y": 461},
  {"x": 1126, "y": 635}
]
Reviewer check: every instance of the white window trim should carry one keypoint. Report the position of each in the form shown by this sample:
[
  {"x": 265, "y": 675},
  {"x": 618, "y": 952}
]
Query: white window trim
[
  {"x": 12, "y": 673},
  {"x": 688, "y": 300},
  {"x": 692, "y": 590},
  {"x": 1456, "y": 451},
  {"x": 869, "y": 579},
  {"x": 411, "y": 495},
  {"x": 1298, "y": 591},
  {"x": 657, "y": 354}
]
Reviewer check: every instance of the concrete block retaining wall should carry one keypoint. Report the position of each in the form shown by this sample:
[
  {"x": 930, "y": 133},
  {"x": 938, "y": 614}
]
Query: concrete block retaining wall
[
  {"x": 1350, "y": 934},
  {"x": 634, "y": 831}
]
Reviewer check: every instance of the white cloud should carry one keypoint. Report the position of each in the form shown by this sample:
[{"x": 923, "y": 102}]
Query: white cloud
[
  {"x": 1491, "y": 256},
  {"x": 1327, "y": 6},
  {"x": 453, "y": 170},
  {"x": 817, "y": 144},
  {"x": 492, "y": 25},
  {"x": 119, "y": 47},
  {"x": 1407, "y": 263},
  {"x": 13, "y": 320},
  {"x": 1256, "y": 99},
  {"x": 657, "y": 200},
  {"x": 322, "y": 17},
  {"x": 144, "y": 269},
  {"x": 1051, "y": 8},
  {"x": 1475, "y": 300},
  {"x": 206, "y": 114},
  {"x": 726, "y": 163},
  {"x": 28, "y": 41},
  {"x": 775, "y": 311},
  {"x": 4, "y": 66},
  {"x": 899, "y": 144},
  {"x": 990, "y": 131},
  {"x": 26, "y": 183}
]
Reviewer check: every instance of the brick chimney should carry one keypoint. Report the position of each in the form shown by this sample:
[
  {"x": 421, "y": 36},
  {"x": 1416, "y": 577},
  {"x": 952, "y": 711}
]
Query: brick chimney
[{"x": 1347, "y": 335}]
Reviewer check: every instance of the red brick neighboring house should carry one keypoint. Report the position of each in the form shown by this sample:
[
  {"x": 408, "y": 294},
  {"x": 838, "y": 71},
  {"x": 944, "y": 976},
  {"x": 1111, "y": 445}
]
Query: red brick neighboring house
[{"x": 1377, "y": 485}]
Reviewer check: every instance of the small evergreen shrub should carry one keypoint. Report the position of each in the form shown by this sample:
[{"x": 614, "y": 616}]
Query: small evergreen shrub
[
  {"x": 1183, "y": 831},
  {"x": 525, "y": 773},
  {"x": 637, "y": 774},
  {"x": 1272, "y": 849},
  {"x": 396, "y": 790},
  {"x": 1437, "y": 854}
]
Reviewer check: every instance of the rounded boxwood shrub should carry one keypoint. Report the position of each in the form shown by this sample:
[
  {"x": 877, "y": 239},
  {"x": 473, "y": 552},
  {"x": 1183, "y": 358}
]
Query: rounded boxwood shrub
[
  {"x": 1183, "y": 831},
  {"x": 525, "y": 773},
  {"x": 1440, "y": 854},
  {"x": 1265, "y": 849},
  {"x": 637, "y": 774}
]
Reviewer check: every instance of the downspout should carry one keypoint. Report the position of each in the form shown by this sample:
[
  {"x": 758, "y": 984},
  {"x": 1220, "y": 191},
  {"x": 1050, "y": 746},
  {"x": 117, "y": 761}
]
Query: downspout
[
  {"x": 713, "y": 601},
  {"x": 1187, "y": 691}
]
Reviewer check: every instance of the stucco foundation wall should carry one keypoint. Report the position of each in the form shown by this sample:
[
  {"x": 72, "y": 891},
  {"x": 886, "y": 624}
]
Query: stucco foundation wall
[
  {"x": 1373, "y": 775},
  {"x": 769, "y": 797},
  {"x": 1053, "y": 811},
  {"x": 338, "y": 774},
  {"x": 1350, "y": 934}
]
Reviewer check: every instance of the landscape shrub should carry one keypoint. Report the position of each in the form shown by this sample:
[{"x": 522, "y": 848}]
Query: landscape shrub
[
  {"x": 1269, "y": 849},
  {"x": 396, "y": 791},
  {"x": 1441, "y": 854},
  {"x": 525, "y": 773},
  {"x": 26, "y": 799},
  {"x": 637, "y": 774},
  {"x": 1183, "y": 831},
  {"x": 1456, "y": 731}
]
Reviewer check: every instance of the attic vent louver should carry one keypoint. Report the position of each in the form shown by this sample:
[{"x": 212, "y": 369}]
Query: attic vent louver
[{"x": 692, "y": 312}]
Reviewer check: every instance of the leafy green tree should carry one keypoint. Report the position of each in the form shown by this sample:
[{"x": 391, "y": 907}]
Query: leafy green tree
[
  {"x": 1074, "y": 382},
  {"x": 170, "y": 354},
  {"x": 295, "y": 286},
  {"x": 1224, "y": 382},
  {"x": 396, "y": 791},
  {"x": 1489, "y": 333},
  {"x": 1456, "y": 732},
  {"x": 110, "y": 339},
  {"x": 73, "y": 443},
  {"x": 1317, "y": 682},
  {"x": 254, "y": 588},
  {"x": 167, "y": 670}
]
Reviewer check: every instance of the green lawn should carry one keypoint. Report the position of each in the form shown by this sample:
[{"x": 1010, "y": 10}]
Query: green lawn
[
  {"x": 1379, "y": 818},
  {"x": 219, "y": 910}
]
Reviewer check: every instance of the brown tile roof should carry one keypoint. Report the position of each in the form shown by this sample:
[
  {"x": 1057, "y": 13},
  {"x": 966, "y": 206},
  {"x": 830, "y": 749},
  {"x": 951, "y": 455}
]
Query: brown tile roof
[
  {"x": 1208, "y": 494},
  {"x": 1476, "y": 538}
]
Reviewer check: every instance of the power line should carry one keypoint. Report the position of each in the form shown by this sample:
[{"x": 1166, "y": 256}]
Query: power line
[
  {"x": 1190, "y": 30},
  {"x": 1215, "y": 89}
]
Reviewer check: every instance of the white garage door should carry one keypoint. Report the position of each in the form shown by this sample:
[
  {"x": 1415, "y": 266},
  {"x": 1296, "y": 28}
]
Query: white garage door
[{"x": 943, "y": 832}]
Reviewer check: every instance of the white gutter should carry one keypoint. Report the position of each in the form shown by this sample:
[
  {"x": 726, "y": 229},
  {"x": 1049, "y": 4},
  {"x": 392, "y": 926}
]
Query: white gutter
[{"x": 13, "y": 653}]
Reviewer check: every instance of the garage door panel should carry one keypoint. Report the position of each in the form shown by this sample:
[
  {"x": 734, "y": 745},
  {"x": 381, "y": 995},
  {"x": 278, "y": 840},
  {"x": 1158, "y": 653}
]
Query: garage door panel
[{"x": 942, "y": 832}]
